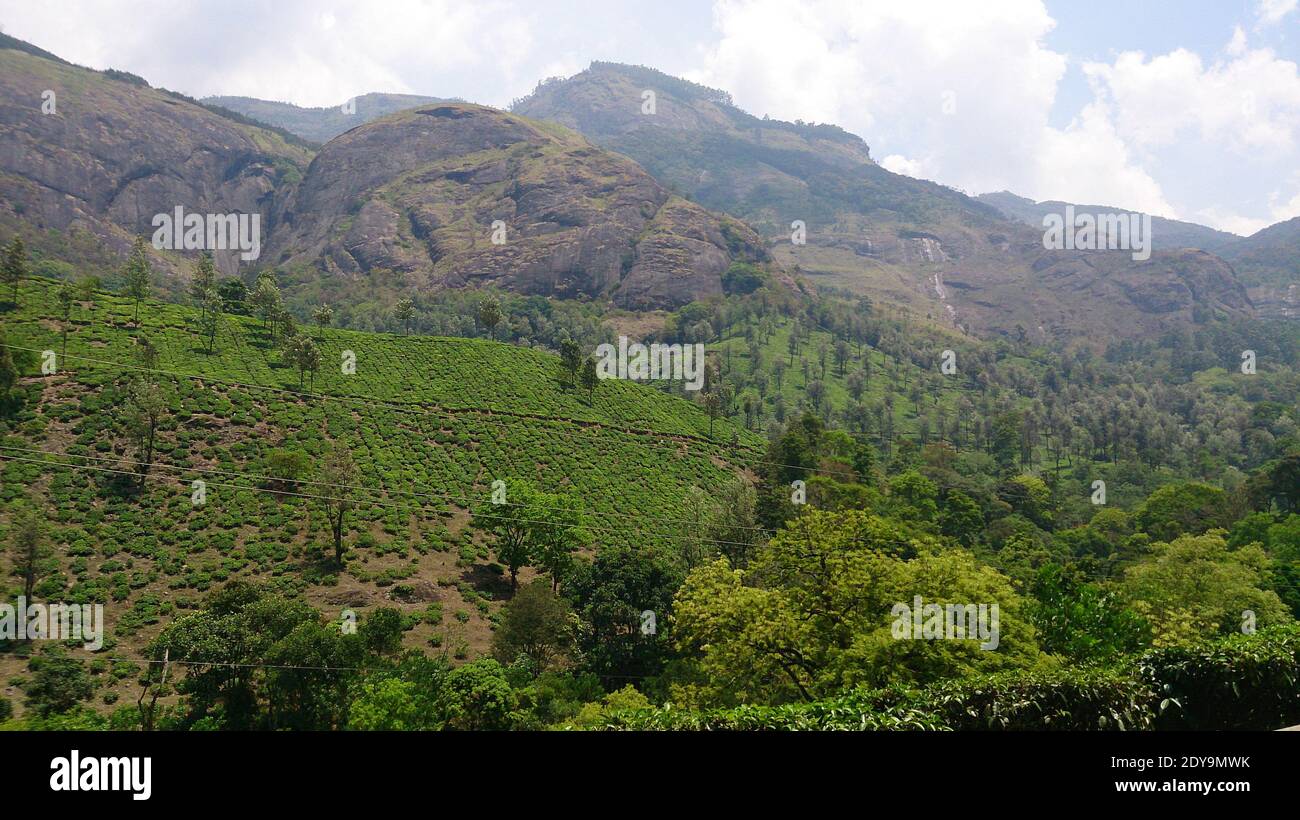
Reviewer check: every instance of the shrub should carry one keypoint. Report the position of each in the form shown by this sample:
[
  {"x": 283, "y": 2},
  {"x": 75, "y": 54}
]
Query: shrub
[
  {"x": 1065, "y": 700},
  {"x": 1237, "y": 682},
  {"x": 1243, "y": 682}
]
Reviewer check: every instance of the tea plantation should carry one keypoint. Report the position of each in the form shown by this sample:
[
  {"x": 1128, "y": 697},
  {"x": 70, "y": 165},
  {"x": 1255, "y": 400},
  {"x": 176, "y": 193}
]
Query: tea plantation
[{"x": 429, "y": 422}]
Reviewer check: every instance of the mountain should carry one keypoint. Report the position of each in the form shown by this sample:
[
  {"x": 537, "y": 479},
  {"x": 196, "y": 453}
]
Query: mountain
[
  {"x": 1168, "y": 234},
  {"x": 1269, "y": 263},
  {"x": 417, "y": 193},
  {"x": 894, "y": 238},
  {"x": 456, "y": 194},
  {"x": 321, "y": 125},
  {"x": 81, "y": 181}
]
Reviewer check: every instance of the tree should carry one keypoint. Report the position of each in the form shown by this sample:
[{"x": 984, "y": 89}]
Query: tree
[
  {"x": 234, "y": 295},
  {"x": 144, "y": 409},
  {"x": 915, "y": 497},
  {"x": 27, "y": 547},
  {"x": 961, "y": 518},
  {"x": 322, "y": 316},
  {"x": 268, "y": 303},
  {"x": 87, "y": 287},
  {"x": 225, "y": 646},
  {"x": 10, "y": 397},
  {"x": 489, "y": 315},
  {"x": 510, "y": 526},
  {"x": 304, "y": 355},
  {"x": 138, "y": 275},
  {"x": 1081, "y": 621},
  {"x": 66, "y": 296},
  {"x": 817, "y": 613},
  {"x": 210, "y": 317},
  {"x": 309, "y": 676},
  {"x": 855, "y": 384},
  {"x": 1195, "y": 586},
  {"x": 1189, "y": 507},
  {"x": 287, "y": 467},
  {"x": 14, "y": 267},
  {"x": 590, "y": 378},
  {"x": 338, "y": 474},
  {"x": 570, "y": 361},
  {"x": 477, "y": 696},
  {"x": 712, "y": 406},
  {"x": 146, "y": 352},
  {"x": 405, "y": 314},
  {"x": 58, "y": 683},
  {"x": 610, "y": 596},
  {"x": 535, "y": 622},
  {"x": 557, "y": 530},
  {"x": 390, "y": 704},
  {"x": 203, "y": 280}
]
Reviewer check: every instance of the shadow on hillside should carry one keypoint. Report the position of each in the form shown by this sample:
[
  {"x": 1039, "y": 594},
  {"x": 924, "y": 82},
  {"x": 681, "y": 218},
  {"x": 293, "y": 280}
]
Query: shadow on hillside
[
  {"x": 483, "y": 579},
  {"x": 125, "y": 485}
]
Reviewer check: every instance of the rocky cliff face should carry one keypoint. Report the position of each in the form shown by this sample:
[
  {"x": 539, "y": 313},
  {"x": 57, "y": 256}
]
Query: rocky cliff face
[
  {"x": 891, "y": 237},
  {"x": 444, "y": 194},
  {"x": 102, "y": 156},
  {"x": 1268, "y": 262},
  {"x": 457, "y": 194}
]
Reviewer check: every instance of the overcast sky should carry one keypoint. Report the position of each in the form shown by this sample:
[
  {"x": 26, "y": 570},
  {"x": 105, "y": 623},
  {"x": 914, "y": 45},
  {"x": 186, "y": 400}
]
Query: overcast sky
[{"x": 1187, "y": 109}]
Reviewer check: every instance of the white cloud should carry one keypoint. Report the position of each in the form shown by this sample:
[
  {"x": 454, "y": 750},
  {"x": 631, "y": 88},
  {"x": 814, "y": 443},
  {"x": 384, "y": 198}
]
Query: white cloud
[
  {"x": 955, "y": 91},
  {"x": 958, "y": 92},
  {"x": 900, "y": 164},
  {"x": 1271, "y": 12},
  {"x": 1237, "y": 45},
  {"x": 294, "y": 51},
  {"x": 1248, "y": 103}
]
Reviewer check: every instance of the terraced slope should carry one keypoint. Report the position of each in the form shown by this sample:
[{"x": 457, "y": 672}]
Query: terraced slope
[{"x": 429, "y": 422}]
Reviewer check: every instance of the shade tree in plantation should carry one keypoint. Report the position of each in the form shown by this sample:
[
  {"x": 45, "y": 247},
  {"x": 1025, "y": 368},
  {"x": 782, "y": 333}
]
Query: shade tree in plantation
[
  {"x": 28, "y": 550},
  {"x": 589, "y": 378},
  {"x": 322, "y": 316},
  {"x": 301, "y": 352},
  {"x": 267, "y": 302},
  {"x": 202, "y": 280},
  {"x": 13, "y": 266},
  {"x": 210, "y": 318},
  {"x": 338, "y": 475},
  {"x": 143, "y": 410},
  {"x": 533, "y": 528},
  {"x": 138, "y": 276},
  {"x": 404, "y": 313}
]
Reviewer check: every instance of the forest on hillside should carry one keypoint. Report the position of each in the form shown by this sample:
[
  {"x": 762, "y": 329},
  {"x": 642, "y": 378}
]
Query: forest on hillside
[{"x": 470, "y": 530}]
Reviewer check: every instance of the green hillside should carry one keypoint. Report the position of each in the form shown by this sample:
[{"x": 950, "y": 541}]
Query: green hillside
[{"x": 429, "y": 422}]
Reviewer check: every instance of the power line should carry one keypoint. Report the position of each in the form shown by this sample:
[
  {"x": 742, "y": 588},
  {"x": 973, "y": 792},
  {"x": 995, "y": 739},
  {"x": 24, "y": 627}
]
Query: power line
[
  {"x": 363, "y": 488},
  {"x": 376, "y": 503}
]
